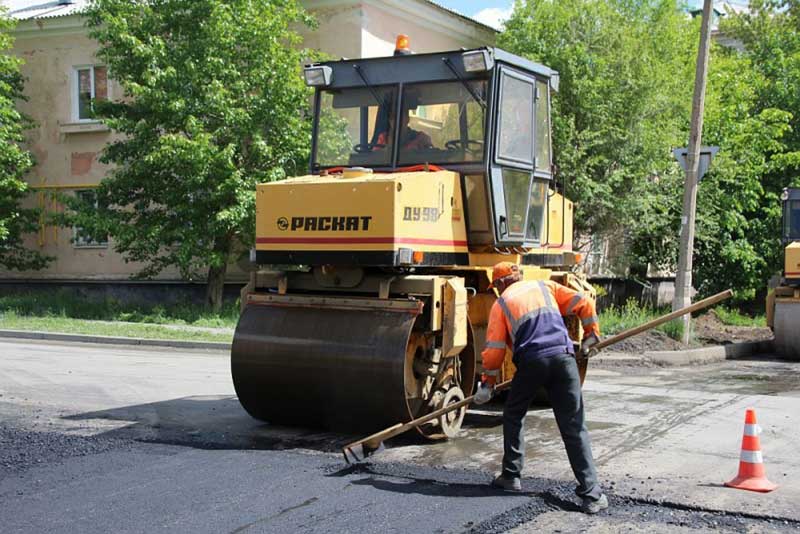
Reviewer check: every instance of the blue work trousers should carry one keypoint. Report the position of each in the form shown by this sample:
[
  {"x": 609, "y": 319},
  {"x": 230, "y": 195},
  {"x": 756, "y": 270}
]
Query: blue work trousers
[{"x": 559, "y": 376}]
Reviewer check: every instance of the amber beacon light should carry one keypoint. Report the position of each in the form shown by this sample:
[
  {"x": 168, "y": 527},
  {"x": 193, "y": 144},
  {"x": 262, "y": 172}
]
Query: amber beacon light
[{"x": 402, "y": 46}]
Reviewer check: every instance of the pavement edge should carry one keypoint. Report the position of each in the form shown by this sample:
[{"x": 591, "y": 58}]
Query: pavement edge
[{"x": 111, "y": 340}]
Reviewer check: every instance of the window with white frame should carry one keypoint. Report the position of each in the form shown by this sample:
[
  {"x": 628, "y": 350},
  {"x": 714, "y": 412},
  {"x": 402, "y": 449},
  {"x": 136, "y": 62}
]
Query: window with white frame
[
  {"x": 90, "y": 84},
  {"x": 81, "y": 238}
]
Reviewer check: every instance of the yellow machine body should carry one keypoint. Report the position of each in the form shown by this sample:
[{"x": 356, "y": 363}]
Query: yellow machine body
[
  {"x": 371, "y": 216},
  {"x": 791, "y": 268},
  {"x": 388, "y": 213}
]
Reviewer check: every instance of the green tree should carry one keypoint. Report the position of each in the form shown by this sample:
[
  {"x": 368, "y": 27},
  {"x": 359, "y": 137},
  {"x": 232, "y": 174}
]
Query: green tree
[
  {"x": 627, "y": 70},
  {"x": 15, "y": 221},
  {"x": 214, "y": 103},
  {"x": 624, "y": 97},
  {"x": 738, "y": 227},
  {"x": 737, "y": 239}
]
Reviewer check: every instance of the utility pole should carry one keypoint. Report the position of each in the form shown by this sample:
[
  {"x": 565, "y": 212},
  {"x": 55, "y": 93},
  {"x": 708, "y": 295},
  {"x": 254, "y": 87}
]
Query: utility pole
[{"x": 683, "y": 279}]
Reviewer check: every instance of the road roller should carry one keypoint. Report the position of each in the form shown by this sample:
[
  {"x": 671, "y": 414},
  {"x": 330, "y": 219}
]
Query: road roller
[
  {"x": 369, "y": 296},
  {"x": 783, "y": 301}
]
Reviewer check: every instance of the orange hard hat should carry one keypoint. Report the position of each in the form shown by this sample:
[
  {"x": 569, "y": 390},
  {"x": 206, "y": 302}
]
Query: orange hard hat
[{"x": 503, "y": 269}]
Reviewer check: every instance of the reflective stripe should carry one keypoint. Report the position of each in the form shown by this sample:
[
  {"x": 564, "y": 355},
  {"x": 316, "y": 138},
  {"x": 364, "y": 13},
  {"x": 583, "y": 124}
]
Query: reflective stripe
[
  {"x": 507, "y": 313},
  {"x": 751, "y": 457},
  {"x": 589, "y": 320},
  {"x": 752, "y": 430},
  {"x": 495, "y": 344},
  {"x": 491, "y": 372},
  {"x": 533, "y": 314},
  {"x": 548, "y": 298},
  {"x": 574, "y": 302}
]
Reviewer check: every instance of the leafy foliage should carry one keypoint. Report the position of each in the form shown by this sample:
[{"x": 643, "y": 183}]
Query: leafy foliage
[
  {"x": 15, "y": 221},
  {"x": 622, "y": 100},
  {"x": 627, "y": 75},
  {"x": 214, "y": 103}
]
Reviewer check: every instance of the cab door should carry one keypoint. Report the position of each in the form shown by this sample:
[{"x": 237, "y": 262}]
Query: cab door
[{"x": 520, "y": 171}]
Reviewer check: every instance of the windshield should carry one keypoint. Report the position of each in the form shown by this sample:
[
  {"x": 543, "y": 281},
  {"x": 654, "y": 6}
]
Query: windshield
[
  {"x": 355, "y": 127},
  {"x": 792, "y": 220},
  {"x": 442, "y": 123}
]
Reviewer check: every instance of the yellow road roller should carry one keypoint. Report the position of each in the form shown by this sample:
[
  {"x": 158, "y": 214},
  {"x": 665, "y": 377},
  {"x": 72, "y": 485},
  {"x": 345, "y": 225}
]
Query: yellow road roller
[
  {"x": 783, "y": 302},
  {"x": 369, "y": 298}
]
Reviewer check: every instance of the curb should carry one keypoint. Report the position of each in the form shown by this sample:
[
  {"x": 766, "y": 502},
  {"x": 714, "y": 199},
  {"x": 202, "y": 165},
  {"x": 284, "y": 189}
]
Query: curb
[
  {"x": 109, "y": 340},
  {"x": 699, "y": 356},
  {"x": 713, "y": 354}
]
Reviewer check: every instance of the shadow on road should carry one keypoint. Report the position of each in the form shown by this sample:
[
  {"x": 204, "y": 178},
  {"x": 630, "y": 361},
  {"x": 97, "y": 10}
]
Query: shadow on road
[
  {"x": 206, "y": 422},
  {"x": 220, "y": 422},
  {"x": 434, "y": 489}
]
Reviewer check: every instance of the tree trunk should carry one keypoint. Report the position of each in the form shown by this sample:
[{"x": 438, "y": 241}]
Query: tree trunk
[{"x": 215, "y": 287}]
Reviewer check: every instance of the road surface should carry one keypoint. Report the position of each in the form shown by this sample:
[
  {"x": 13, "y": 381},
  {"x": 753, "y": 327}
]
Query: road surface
[{"x": 99, "y": 439}]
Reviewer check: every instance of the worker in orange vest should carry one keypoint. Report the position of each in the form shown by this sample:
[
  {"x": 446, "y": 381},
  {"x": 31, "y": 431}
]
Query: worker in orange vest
[{"x": 528, "y": 317}]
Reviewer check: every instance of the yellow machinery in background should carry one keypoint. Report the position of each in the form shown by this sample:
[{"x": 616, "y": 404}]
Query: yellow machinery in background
[
  {"x": 370, "y": 300},
  {"x": 783, "y": 302}
]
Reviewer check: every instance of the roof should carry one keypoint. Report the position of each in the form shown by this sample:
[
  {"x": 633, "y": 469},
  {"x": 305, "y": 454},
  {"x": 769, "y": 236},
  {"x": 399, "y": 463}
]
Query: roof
[
  {"x": 42, "y": 9},
  {"x": 461, "y": 16}
]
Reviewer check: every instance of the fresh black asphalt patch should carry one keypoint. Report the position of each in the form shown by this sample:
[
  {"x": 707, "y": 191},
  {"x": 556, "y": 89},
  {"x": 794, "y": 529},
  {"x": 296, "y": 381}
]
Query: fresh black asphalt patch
[{"x": 545, "y": 495}]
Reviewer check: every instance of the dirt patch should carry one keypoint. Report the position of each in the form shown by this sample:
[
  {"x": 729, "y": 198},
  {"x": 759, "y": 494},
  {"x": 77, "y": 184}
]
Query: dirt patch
[
  {"x": 648, "y": 341},
  {"x": 709, "y": 330}
]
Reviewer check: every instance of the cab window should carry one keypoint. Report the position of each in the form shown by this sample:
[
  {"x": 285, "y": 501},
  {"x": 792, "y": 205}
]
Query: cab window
[
  {"x": 515, "y": 189},
  {"x": 792, "y": 220},
  {"x": 537, "y": 210},
  {"x": 525, "y": 204},
  {"x": 442, "y": 123},
  {"x": 515, "y": 129},
  {"x": 542, "y": 127},
  {"x": 355, "y": 127}
]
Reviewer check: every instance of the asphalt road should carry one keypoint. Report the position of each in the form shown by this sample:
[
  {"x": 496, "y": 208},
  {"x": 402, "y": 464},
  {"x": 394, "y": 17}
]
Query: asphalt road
[{"x": 99, "y": 439}]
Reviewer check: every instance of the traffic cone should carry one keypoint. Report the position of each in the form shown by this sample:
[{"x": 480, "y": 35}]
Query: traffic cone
[{"x": 751, "y": 465}]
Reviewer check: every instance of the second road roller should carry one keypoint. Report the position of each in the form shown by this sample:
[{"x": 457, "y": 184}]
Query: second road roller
[{"x": 369, "y": 299}]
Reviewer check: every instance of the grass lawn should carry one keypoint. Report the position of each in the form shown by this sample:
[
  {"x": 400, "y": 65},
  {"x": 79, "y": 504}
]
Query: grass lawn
[
  {"x": 737, "y": 318},
  {"x": 63, "y": 311},
  {"x": 67, "y": 325}
]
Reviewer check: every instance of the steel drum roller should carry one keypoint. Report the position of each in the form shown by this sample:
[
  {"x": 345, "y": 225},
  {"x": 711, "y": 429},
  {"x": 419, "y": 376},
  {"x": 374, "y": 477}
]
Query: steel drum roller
[{"x": 341, "y": 369}]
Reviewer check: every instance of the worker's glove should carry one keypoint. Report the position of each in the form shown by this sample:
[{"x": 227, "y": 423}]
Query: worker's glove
[
  {"x": 588, "y": 345},
  {"x": 484, "y": 393}
]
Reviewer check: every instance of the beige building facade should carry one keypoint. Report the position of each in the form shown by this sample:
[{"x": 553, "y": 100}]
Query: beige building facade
[{"x": 63, "y": 75}]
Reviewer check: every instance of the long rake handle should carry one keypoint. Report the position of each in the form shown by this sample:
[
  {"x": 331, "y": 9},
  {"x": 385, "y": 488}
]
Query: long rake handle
[
  {"x": 699, "y": 305},
  {"x": 375, "y": 439}
]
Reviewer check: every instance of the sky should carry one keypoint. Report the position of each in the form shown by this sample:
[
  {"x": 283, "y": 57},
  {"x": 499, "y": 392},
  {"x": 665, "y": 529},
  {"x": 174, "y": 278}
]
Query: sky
[
  {"x": 491, "y": 12},
  {"x": 494, "y": 12}
]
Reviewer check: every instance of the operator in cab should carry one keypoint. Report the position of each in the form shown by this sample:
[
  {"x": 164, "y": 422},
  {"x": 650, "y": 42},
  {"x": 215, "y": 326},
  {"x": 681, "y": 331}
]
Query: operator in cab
[
  {"x": 528, "y": 317},
  {"x": 410, "y": 139}
]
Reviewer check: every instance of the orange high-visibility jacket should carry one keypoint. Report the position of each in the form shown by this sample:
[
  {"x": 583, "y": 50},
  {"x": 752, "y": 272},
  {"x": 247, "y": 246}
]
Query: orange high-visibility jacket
[{"x": 528, "y": 318}]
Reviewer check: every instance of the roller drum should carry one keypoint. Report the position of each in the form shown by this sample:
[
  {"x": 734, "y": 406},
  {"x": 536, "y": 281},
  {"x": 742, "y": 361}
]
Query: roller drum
[
  {"x": 341, "y": 369},
  {"x": 787, "y": 334}
]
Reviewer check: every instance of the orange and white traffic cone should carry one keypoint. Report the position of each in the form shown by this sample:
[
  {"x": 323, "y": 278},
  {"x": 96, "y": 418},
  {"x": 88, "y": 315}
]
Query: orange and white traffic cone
[{"x": 751, "y": 465}]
